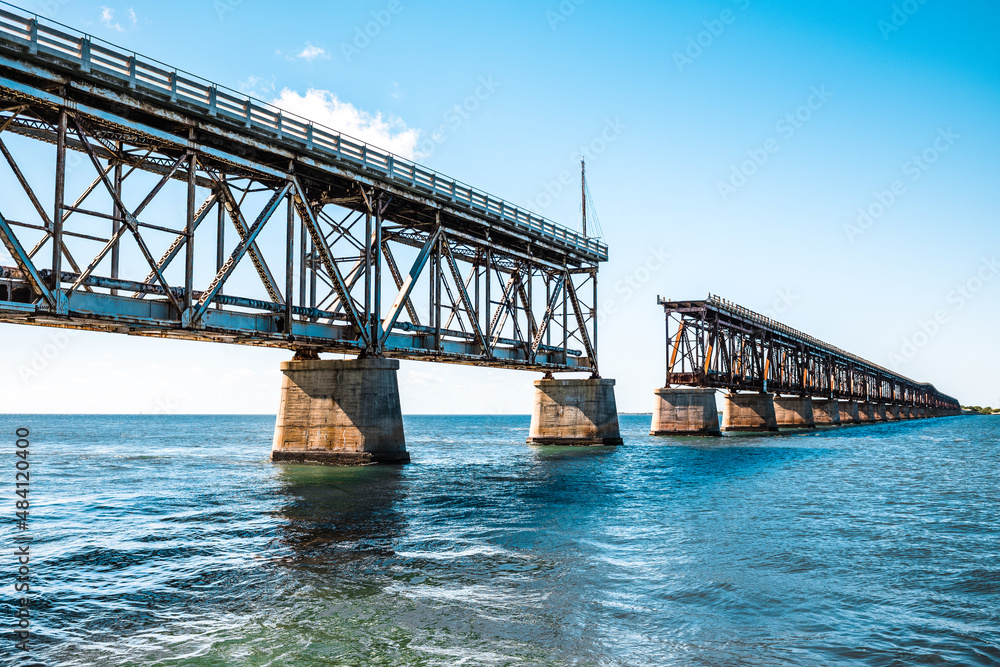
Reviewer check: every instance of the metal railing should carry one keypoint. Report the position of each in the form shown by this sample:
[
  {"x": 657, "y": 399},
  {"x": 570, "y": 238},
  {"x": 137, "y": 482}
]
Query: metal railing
[{"x": 90, "y": 54}]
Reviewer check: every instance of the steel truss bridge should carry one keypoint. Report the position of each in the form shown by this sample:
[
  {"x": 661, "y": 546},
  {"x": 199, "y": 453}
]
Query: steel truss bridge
[
  {"x": 175, "y": 207},
  {"x": 715, "y": 343}
]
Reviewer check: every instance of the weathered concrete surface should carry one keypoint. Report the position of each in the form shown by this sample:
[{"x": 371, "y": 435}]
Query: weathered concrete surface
[
  {"x": 574, "y": 412},
  {"x": 921, "y": 413},
  {"x": 849, "y": 412},
  {"x": 794, "y": 412},
  {"x": 878, "y": 410},
  {"x": 748, "y": 412},
  {"x": 904, "y": 412},
  {"x": 866, "y": 412},
  {"x": 340, "y": 412},
  {"x": 826, "y": 412},
  {"x": 892, "y": 412},
  {"x": 685, "y": 411}
]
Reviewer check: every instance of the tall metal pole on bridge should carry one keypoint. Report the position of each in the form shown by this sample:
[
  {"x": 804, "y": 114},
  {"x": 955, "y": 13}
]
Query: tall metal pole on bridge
[{"x": 583, "y": 192}]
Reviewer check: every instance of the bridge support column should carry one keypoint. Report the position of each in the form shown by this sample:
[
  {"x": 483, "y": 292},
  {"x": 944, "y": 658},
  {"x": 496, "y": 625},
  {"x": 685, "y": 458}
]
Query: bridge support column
[
  {"x": 340, "y": 412},
  {"x": 574, "y": 412},
  {"x": 866, "y": 412},
  {"x": 878, "y": 410},
  {"x": 748, "y": 412},
  {"x": 920, "y": 413},
  {"x": 687, "y": 411},
  {"x": 794, "y": 412},
  {"x": 892, "y": 413},
  {"x": 826, "y": 412},
  {"x": 849, "y": 412}
]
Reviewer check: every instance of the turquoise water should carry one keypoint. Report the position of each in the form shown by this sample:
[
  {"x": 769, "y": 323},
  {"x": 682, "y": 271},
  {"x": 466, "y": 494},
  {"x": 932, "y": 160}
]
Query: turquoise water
[{"x": 174, "y": 541}]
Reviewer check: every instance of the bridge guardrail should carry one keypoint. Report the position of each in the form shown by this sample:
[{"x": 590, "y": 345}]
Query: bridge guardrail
[{"x": 91, "y": 54}]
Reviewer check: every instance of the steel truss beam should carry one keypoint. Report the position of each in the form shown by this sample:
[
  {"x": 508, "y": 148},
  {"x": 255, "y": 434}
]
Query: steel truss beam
[
  {"x": 714, "y": 343},
  {"x": 473, "y": 294}
]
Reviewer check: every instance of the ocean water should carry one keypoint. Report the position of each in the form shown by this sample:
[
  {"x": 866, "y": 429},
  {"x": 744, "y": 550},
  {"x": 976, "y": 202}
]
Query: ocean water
[{"x": 166, "y": 540}]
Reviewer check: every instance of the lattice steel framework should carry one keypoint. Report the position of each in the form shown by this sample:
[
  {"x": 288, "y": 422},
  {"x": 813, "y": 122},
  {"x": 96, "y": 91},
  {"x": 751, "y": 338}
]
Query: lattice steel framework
[
  {"x": 715, "y": 343},
  {"x": 192, "y": 211}
]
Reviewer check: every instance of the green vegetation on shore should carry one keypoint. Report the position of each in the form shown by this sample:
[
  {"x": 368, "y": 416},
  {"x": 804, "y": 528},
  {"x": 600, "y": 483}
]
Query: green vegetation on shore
[{"x": 983, "y": 411}]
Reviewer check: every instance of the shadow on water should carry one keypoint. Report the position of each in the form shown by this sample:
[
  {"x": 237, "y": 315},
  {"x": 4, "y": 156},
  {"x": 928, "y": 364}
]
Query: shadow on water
[
  {"x": 552, "y": 453},
  {"x": 336, "y": 516},
  {"x": 698, "y": 461}
]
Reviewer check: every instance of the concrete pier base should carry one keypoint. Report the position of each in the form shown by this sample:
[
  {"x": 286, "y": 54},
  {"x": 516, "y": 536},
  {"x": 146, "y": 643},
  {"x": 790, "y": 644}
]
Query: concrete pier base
[
  {"x": 878, "y": 409},
  {"x": 574, "y": 412},
  {"x": 794, "y": 412},
  {"x": 849, "y": 412},
  {"x": 921, "y": 413},
  {"x": 892, "y": 413},
  {"x": 904, "y": 412},
  {"x": 866, "y": 412},
  {"x": 340, "y": 412},
  {"x": 748, "y": 412},
  {"x": 685, "y": 411},
  {"x": 826, "y": 412}
]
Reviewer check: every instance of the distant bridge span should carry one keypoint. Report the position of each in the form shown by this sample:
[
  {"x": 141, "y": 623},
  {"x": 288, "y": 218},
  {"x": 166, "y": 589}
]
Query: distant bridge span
[{"x": 715, "y": 344}]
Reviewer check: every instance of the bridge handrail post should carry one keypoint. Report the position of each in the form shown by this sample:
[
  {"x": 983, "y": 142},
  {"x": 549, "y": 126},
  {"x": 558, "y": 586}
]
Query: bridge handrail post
[{"x": 85, "y": 53}]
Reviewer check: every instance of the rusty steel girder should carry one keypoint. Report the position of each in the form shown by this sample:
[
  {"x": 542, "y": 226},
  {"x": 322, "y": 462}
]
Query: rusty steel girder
[{"x": 715, "y": 343}]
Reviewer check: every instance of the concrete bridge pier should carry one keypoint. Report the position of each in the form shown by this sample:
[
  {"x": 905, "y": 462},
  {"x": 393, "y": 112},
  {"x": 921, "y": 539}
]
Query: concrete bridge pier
[
  {"x": 794, "y": 412},
  {"x": 748, "y": 412},
  {"x": 878, "y": 410},
  {"x": 826, "y": 412},
  {"x": 866, "y": 412},
  {"x": 685, "y": 411},
  {"x": 892, "y": 412},
  {"x": 849, "y": 412},
  {"x": 574, "y": 412},
  {"x": 339, "y": 412}
]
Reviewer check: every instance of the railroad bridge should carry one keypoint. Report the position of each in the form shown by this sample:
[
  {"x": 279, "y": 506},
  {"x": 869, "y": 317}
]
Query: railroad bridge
[
  {"x": 775, "y": 377},
  {"x": 175, "y": 207}
]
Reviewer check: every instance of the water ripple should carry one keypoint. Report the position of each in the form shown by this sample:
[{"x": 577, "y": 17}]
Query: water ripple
[{"x": 173, "y": 541}]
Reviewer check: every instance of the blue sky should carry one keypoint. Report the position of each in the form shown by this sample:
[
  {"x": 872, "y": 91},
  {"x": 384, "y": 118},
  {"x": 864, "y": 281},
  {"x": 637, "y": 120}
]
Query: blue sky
[{"x": 733, "y": 146}]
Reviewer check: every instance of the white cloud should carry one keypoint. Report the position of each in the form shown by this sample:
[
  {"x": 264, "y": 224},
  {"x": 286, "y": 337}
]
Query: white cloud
[
  {"x": 258, "y": 86},
  {"x": 310, "y": 52},
  {"x": 384, "y": 131},
  {"x": 108, "y": 19},
  {"x": 397, "y": 94}
]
